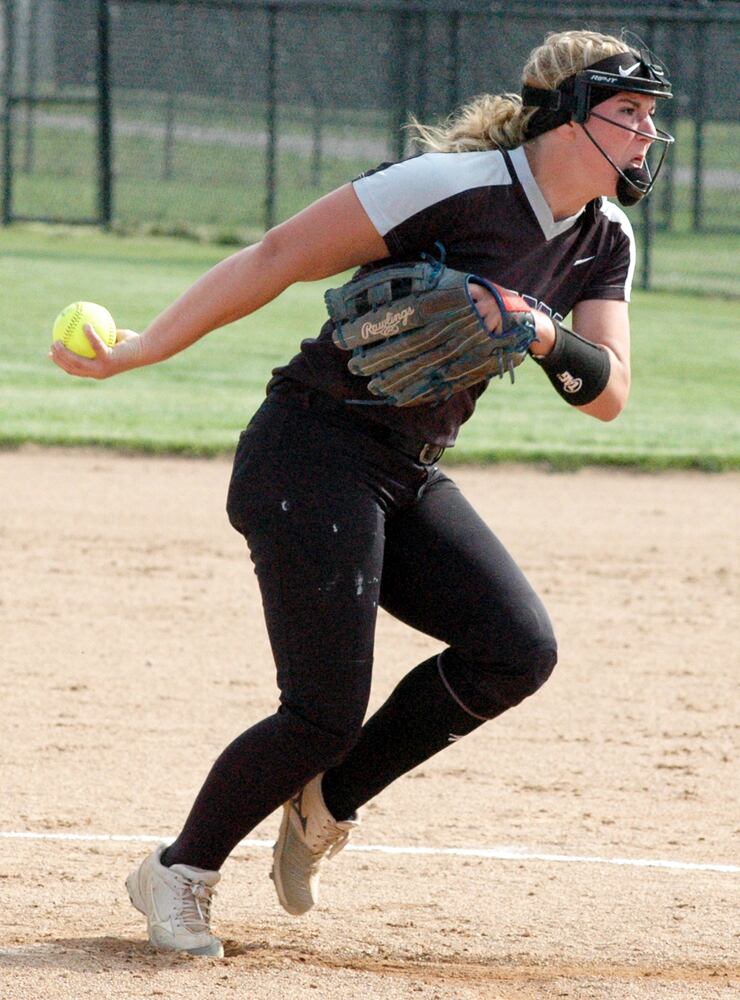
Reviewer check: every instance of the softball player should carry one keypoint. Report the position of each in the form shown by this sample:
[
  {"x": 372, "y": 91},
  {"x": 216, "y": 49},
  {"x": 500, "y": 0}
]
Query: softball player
[{"x": 344, "y": 507}]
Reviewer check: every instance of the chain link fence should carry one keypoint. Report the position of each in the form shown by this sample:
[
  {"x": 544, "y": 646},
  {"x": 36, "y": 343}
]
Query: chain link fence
[{"x": 219, "y": 118}]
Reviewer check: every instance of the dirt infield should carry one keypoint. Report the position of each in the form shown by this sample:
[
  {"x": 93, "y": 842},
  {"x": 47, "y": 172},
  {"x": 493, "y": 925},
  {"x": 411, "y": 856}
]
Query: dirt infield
[{"x": 133, "y": 650}]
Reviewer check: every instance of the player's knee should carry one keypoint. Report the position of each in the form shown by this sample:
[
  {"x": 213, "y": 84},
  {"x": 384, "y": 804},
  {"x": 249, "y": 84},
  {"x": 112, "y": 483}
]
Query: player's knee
[
  {"x": 525, "y": 671},
  {"x": 489, "y": 687},
  {"x": 532, "y": 667}
]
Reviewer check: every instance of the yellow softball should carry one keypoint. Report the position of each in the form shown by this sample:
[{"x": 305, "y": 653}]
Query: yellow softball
[{"x": 70, "y": 321}]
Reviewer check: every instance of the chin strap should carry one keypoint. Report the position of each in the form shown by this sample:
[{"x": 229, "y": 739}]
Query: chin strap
[{"x": 633, "y": 184}]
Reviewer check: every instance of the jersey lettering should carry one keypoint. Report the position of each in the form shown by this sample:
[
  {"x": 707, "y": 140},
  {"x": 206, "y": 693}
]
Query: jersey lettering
[{"x": 542, "y": 307}]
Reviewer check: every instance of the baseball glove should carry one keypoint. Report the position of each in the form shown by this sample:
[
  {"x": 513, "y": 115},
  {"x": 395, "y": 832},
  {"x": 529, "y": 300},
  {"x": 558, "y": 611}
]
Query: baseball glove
[{"x": 416, "y": 332}]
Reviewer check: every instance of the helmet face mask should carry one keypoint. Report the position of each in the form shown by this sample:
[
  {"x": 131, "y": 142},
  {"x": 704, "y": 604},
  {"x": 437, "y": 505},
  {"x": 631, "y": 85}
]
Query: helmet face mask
[
  {"x": 633, "y": 183},
  {"x": 636, "y": 72}
]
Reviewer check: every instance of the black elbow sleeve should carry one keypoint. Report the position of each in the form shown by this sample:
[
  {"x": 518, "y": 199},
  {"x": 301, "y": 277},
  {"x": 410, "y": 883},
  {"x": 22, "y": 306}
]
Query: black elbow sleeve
[{"x": 577, "y": 368}]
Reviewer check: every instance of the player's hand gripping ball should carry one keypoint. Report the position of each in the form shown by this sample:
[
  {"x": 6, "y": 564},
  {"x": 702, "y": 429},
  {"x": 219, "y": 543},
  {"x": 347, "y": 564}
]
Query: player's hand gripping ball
[{"x": 68, "y": 327}]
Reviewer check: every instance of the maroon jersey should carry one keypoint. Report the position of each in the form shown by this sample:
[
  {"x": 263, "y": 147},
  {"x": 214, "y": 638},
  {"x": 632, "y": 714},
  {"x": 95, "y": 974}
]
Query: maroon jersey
[{"x": 489, "y": 214}]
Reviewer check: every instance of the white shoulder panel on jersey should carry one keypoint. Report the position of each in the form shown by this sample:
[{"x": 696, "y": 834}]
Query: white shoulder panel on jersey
[
  {"x": 615, "y": 214},
  {"x": 392, "y": 195}
]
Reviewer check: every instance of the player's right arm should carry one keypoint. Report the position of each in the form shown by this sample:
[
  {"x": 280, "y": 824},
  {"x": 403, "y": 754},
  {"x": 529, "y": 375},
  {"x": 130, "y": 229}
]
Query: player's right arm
[{"x": 330, "y": 236}]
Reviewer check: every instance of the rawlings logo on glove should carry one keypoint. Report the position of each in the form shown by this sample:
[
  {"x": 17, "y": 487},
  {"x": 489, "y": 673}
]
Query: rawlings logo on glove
[
  {"x": 416, "y": 331},
  {"x": 391, "y": 324}
]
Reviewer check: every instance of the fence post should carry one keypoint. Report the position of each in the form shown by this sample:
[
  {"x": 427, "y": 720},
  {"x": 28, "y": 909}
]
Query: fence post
[
  {"x": 668, "y": 177},
  {"x": 452, "y": 61},
  {"x": 105, "y": 131},
  {"x": 700, "y": 102},
  {"x": 171, "y": 62},
  {"x": 648, "y": 220},
  {"x": 402, "y": 22},
  {"x": 422, "y": 90},
  {"x": 317, "y": 138},
  {"x": 271, "y": 117},
  {"x": 32, "y": 74},
  {"x": 648, "y": 228},
  {"x": 9, "y": 19}
]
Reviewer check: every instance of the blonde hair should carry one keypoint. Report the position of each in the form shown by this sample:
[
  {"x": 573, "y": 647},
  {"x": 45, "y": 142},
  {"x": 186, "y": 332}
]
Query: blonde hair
[{"x": 492, "y": 121}]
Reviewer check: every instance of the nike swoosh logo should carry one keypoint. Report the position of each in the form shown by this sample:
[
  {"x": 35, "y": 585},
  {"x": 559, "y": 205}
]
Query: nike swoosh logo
[
  {"x": 629, "y": 71},
  {"x": 583, "y": 260}
]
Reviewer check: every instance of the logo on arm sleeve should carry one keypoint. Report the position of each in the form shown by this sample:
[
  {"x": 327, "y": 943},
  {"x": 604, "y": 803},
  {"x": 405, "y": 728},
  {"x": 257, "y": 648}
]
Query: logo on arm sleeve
[{"x": 569, "y": 382}]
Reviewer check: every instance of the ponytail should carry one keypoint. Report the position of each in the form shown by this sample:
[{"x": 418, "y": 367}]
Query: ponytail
[
  {"x": 487, "y": 122},
  {"x": 500, "y": 121}
]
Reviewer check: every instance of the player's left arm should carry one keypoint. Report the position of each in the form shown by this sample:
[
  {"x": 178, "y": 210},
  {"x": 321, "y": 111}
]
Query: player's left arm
[
  {"x": 591, "y": 361},
  {"x": 606, "y": 322}
]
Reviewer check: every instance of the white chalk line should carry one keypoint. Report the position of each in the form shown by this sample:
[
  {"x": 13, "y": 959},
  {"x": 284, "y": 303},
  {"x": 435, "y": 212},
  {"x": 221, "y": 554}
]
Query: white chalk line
[{"x": 490, "y": 853}]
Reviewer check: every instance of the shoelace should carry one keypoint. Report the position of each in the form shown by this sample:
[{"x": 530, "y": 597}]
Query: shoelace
[
  {"x": 195, "y": 910},
  {"x": 338, "y": 844},
  {"x": 332, "y": 841}
]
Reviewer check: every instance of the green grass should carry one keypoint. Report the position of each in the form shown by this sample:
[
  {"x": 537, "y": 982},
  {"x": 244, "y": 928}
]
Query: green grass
[
  {"x": 211, "y": 186},
  {"x": 702, "y": 263},
  {"x": 720, "y": 206},
  {"x": 683, "y": 412},
  {"x": 720, "y": 143}
]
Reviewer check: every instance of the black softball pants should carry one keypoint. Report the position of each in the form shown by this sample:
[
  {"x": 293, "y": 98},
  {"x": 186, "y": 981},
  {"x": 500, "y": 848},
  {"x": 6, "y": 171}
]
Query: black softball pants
[{"x": 339, "y": 524}]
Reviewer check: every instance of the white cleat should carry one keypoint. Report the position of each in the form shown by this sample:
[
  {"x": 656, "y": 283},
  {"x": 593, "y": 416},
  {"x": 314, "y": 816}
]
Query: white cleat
[
  {"x": 308, "y": 834},
  {"x": 176, "y": 902}
]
